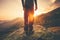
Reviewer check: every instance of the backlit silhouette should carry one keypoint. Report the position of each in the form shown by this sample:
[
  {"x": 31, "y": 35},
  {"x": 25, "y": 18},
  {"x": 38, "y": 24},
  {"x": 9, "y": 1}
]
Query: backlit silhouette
[{"x": 28, "y": 7}]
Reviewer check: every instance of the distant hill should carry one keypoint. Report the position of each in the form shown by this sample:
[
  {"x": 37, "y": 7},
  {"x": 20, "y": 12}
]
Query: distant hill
[
  {"x": 6, "y": 26},
  {"x": 49, "y": 19},
  {"x": 3, "y": 21}
]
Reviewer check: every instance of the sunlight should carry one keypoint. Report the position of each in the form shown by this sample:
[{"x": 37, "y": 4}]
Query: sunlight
[
  {"x": 13, "y": 9},
  {"x": 37, "y": 12},
  {"x": 53, "y": 1}
]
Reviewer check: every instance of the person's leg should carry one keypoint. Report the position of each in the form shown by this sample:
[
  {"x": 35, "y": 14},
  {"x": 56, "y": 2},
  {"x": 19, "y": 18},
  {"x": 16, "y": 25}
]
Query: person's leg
[
  {"x": 31, "y": 28},
  {"x": 31, "y": 21},
  {"x": 26, "y": 21}
]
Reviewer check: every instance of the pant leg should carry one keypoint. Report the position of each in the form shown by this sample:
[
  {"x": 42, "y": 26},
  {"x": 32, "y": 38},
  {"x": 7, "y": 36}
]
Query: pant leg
[
  {"x": 26, "y": 20},
  {"x": 31, "y": 19}
]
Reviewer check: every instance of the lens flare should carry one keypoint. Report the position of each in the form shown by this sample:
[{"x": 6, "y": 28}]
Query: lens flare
[{"x": 37, "y": 12}]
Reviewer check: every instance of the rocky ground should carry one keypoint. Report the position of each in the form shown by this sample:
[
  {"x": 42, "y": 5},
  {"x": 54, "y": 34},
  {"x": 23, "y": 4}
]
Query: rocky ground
[{"x": 40, "y": 33}]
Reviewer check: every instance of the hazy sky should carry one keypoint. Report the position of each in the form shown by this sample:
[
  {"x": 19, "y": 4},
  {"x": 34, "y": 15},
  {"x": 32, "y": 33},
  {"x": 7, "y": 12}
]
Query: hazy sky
[{"x": 10, "y": 9}]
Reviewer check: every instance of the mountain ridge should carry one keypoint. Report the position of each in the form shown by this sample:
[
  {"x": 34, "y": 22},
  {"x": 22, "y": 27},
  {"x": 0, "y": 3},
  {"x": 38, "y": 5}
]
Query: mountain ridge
[{"x": 51, "y": 18}]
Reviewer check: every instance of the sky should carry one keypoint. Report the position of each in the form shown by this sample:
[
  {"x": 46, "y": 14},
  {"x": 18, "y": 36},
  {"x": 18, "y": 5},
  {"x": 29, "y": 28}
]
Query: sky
[{"x": 11, "y": 9}]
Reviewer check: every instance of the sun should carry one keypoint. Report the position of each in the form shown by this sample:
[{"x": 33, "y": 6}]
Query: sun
[{"x": 37, "y": 12}]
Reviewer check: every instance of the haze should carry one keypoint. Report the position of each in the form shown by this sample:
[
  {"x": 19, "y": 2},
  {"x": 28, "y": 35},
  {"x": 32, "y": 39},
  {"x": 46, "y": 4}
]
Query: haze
[{"x": 11, "y": 9}]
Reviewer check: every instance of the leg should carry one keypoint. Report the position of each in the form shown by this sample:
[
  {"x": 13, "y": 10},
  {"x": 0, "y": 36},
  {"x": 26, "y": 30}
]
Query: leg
[
  {"x": 26, "y": 21},
  {"x": 31, "y": 21}
]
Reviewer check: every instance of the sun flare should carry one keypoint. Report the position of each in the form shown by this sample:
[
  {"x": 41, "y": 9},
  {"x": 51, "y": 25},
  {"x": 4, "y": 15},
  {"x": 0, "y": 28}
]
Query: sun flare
[{"x": 36, "y": 13}]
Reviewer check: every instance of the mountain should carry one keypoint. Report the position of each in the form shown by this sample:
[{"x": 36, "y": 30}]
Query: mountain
[
  {"x": 3, "y": 21},
  {"x": 49, "y": 19},
  {"x": 10, "y": 26}
]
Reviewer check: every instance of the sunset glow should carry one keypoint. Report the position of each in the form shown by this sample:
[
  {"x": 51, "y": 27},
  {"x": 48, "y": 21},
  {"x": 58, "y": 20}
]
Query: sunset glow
[
  {"x": 37, "y": 12},
  {"x": 13, "y": 9}
]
